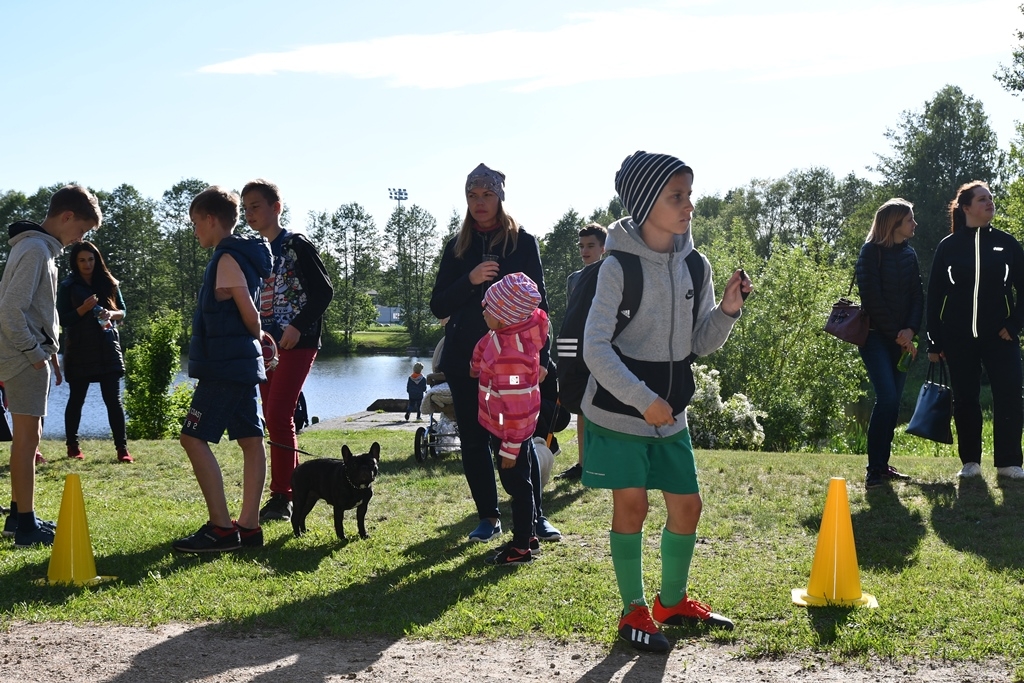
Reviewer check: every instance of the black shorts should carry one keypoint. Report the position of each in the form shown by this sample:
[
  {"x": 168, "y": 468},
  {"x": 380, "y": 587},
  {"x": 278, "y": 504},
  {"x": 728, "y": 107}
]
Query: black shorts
[{"x": 219, "y": 405}]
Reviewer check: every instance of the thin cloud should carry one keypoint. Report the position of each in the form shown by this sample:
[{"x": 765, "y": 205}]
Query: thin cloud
[{"x": 607, "y": 46}]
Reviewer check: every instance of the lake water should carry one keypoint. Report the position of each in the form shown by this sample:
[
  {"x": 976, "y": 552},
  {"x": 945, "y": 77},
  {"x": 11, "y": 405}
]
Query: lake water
[{"x": 336, "y": 386}]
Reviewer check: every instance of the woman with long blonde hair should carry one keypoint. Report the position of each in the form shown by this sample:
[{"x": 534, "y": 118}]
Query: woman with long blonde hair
[
  {"x": 489, "y": 246},
  {"x": 889, "y": 280}
]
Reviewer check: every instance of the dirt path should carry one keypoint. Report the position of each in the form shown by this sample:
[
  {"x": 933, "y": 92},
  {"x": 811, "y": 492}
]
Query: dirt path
[{"x": 178, "y": 653}]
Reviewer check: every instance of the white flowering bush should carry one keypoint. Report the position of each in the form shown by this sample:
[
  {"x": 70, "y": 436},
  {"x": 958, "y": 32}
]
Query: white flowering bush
[{"x": 714, "y": 423}]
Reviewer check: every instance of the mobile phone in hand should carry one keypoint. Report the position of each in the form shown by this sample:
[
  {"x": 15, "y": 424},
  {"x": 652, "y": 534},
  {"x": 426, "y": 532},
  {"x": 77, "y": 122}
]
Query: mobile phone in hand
[{"x": 743, "y": 276}]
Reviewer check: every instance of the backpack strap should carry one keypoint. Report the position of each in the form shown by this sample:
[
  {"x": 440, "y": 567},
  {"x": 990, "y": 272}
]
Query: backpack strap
[
  {"x": 632, "y": 289},
  {"x": 696, "y": 266}
]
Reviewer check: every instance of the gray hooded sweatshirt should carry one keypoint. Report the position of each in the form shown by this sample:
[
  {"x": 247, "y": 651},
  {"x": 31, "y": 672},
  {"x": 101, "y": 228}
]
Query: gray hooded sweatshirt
[
  {"x": 28, "y": 296},
  {"x": 657, "y": 341}
]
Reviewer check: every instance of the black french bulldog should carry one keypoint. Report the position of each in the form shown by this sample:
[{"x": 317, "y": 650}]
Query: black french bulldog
[{"x": 345, "y": 484}]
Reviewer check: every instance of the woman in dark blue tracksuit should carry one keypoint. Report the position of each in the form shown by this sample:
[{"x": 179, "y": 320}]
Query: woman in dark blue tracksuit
[{"x": 975, "y": 312}]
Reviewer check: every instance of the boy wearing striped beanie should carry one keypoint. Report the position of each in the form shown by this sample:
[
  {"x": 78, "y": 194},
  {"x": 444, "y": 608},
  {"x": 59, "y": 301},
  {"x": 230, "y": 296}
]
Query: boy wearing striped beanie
[
  {"x": 507, "y": 362},
  {"x": 635, "y": 403}
]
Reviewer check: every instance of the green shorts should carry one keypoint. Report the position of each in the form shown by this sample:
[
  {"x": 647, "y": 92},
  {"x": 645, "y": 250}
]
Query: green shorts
[{"x": 614, "y": 460}]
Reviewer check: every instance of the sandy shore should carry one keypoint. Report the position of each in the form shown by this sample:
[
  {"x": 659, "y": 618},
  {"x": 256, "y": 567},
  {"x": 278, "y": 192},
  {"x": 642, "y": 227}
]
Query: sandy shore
[{"x": 374, "y": 420}]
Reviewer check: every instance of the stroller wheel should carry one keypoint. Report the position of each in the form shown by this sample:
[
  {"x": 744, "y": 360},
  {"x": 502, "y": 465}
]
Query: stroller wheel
[{"x": 420, "y": 444}]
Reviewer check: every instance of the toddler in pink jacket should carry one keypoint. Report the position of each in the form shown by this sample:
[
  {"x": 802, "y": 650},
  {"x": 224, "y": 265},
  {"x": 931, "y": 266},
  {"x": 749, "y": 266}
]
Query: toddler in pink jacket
[{"x": 507, "y": 362}]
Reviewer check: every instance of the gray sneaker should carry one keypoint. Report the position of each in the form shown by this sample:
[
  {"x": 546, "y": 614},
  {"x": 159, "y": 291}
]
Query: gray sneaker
[{"x": 278, "y": 508}]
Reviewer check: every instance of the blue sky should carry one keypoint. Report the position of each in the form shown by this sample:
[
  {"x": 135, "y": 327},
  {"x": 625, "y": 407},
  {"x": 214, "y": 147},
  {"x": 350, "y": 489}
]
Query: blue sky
[{"x": 337, "y": 101}]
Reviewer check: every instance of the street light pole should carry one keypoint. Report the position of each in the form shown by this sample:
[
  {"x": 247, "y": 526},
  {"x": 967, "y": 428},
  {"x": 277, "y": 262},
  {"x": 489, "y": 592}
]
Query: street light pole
[{"x": 398, "y": 194}]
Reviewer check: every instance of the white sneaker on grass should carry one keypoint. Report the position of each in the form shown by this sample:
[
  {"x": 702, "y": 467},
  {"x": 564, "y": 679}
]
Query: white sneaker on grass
[
  {"x": 970, "y": 469},
  {"x": 1013, "y": 472}
]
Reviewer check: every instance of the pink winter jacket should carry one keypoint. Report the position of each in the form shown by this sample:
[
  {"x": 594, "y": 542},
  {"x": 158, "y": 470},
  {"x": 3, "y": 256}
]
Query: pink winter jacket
[{"x": 507, "y": 361}]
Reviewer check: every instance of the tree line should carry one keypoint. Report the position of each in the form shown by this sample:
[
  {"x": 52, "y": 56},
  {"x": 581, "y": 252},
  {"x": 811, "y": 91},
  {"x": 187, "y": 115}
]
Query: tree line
[{"x": 797, "y": 237}]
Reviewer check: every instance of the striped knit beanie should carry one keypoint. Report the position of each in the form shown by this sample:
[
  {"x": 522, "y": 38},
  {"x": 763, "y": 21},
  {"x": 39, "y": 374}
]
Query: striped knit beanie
[
  {"x": 487, "y": 179},
  {"x": 512, "y": 299},
  {"x": 641, "y": 179}
]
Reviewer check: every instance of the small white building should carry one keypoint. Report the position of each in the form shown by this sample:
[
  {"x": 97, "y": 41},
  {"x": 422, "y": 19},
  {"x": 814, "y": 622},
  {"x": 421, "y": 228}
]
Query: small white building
[{"x": 389, "y": 315}]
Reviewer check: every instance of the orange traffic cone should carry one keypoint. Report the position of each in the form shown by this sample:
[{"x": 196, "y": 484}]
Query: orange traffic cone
[
  {"x": 835, "y": 579},
  {"x": 71, "y": 560}
]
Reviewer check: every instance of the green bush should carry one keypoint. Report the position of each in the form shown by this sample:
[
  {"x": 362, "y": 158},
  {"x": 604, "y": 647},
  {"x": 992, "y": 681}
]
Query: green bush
[
  {"x": 801, "y": 379},
  {"x": 150, "y": 366},
  {"x": 719, "y": 424}
]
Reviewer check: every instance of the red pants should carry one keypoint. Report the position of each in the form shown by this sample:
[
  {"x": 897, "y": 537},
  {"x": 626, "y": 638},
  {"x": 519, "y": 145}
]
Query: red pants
[{"x": 280, "y": 393}]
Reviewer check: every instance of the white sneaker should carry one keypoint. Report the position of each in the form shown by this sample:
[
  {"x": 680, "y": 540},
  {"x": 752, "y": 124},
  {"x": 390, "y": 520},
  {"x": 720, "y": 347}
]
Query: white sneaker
[
  {"x": 1010, "y": 472},
  {"x": 972, "y": 469}
]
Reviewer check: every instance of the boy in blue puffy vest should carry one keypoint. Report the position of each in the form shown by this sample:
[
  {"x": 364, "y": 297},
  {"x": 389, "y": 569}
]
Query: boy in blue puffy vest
[{"x": 225, "y": 355}]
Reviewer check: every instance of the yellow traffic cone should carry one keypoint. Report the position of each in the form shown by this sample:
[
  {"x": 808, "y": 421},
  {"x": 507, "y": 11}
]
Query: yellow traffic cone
[
  {"x": 71, "y": 559},
  {"x": 835, "y": 579}
]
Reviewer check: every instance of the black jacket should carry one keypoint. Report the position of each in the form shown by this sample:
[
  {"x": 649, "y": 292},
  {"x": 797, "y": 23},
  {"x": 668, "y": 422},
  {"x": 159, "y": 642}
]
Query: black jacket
[
  {"x": 975, "y": 286},
  {"x": 453, "y": 295},
  {"x": 90, "y": 352},
  {"x": 889, "y": 281},
  {"x": 302, "y": 290}
]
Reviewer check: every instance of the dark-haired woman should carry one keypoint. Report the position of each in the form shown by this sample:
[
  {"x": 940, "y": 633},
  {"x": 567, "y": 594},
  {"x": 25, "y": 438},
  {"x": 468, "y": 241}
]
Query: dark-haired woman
[
  {"x": 975, "y": 312},
  {"x": 90, "y": 306},
  {"x": 889, "y": 280},
  {"x": 489, "y": 246}
]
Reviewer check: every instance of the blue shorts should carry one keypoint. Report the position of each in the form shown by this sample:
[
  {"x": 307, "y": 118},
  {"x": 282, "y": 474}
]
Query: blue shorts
[
  {"x": 614, "y": 460},
  {"x": 218, "y": 405}
]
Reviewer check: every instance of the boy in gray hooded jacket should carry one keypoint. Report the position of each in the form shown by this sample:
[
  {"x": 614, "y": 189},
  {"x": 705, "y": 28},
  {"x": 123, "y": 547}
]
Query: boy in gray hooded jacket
[
  {"x": 635, "y": 402},
  {"x": 28, "y": 341}
]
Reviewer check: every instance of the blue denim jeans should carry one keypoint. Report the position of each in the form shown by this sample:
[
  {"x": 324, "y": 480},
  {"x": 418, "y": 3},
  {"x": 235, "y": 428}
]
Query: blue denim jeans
[{"x": 880, "y": 358}]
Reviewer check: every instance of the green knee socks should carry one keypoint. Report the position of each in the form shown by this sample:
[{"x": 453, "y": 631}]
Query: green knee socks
[
  {"x": 629, "y": 571},
  {"x": 676, "y": 554}
]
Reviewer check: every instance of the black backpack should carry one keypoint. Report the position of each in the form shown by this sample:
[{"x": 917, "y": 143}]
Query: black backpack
[
  {"x": 573, "y": 373},
  {"x": 301, "y": 413}
]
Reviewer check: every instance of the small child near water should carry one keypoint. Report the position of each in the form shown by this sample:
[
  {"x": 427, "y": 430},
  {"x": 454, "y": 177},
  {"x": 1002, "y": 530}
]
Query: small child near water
[{"x": 415, "y": 386}]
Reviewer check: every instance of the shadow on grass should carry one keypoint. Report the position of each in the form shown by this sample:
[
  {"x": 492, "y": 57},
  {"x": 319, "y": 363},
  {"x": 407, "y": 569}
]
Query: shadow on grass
[
  {"x": 156, "y": 561},
  {"x": 825, "y": 622},
  {"x": 435, "y": 575},
  {"x": 421, "y": 585},
  {"x": 970, "y": 519},
  {"x": 887, "y": 534}
]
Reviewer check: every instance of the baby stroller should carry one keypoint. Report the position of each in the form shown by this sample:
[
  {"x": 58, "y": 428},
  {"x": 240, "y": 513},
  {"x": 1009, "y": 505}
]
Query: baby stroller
[{"x": 442, "y": 434}]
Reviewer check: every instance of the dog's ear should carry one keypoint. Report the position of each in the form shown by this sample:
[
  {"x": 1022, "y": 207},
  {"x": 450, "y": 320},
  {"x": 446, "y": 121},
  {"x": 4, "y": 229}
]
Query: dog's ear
[
  {"x": 346, "y": 453},
  {"x": 375, "y": 451}
]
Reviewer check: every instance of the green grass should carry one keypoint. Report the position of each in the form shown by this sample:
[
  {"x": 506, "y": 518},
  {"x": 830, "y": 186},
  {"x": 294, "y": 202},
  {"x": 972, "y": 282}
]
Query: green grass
[
  {"x": 945, "y": 561},
  {"x": 375, "y": 339}
]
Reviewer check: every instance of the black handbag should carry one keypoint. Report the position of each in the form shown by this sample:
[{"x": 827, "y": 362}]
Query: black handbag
[
  {"x": 934, "y": 409},
  {"x": 847, "y": 321}
]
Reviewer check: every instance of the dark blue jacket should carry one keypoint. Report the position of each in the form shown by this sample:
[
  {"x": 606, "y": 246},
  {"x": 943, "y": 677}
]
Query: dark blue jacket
[
  {"x": 456, "y": 298},
  {"x": 889, "y": 281},
  {"x": 221, "y": 347}
]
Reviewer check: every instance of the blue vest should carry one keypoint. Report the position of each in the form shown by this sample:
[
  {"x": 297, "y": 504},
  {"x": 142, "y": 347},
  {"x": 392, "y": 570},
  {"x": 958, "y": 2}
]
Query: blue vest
[{"x": 221, "y": 347}]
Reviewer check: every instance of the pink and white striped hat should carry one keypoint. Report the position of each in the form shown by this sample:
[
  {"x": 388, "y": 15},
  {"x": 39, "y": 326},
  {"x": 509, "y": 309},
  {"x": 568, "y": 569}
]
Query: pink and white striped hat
[{"x": 512, "y": 299}]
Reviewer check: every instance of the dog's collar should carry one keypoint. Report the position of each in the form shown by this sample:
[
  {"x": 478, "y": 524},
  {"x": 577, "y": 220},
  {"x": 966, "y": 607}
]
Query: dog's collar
[{"x": 353, "y": 484}]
